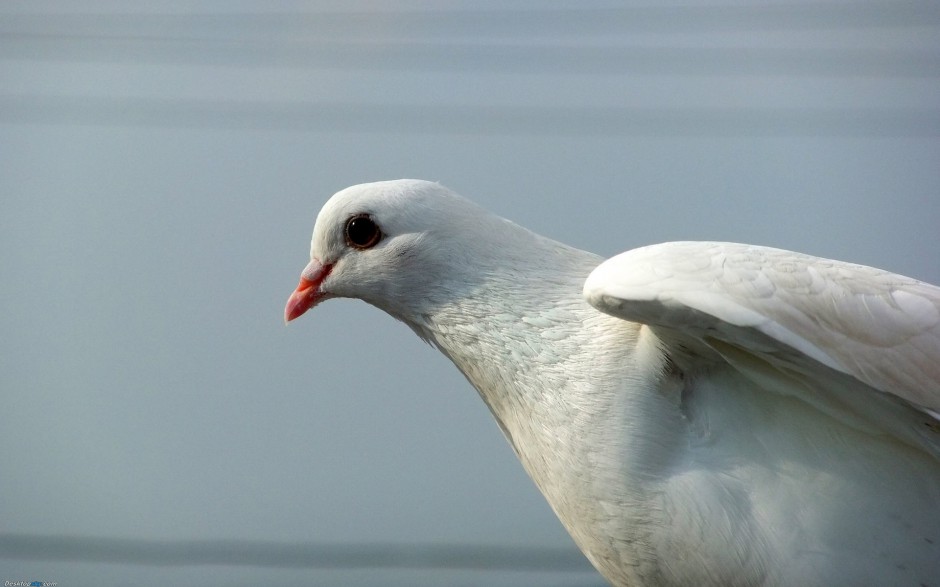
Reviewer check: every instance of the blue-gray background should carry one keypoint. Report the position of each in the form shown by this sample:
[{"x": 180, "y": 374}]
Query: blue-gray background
[{"x": 161, "y": 165}]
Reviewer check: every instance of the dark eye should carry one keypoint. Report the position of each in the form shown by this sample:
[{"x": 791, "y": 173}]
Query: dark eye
[{"x": 362, "y": 232}]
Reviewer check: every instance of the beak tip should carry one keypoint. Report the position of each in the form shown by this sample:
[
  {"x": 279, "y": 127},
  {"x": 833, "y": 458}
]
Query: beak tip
[{"x": 296, "y": 306}]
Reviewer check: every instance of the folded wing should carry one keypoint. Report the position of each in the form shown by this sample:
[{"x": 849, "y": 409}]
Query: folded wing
[{"x": 794, "y": 310}]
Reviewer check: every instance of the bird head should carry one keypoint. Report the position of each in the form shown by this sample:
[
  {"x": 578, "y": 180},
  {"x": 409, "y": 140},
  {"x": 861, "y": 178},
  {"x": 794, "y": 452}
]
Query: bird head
[{"x": 391, "y": 244}]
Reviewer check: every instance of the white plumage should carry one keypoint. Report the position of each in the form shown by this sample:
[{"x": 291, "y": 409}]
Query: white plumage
[
  {"x": 701, "y": 414},
  {"x": 881, "y": 328}
]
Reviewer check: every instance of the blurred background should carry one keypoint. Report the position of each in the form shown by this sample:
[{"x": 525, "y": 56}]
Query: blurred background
[{"x": 161, "y": 166}]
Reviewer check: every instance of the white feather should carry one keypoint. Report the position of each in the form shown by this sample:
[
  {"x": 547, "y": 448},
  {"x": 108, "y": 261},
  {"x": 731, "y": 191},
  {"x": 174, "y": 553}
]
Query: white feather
[
  {"x": 733, "y": 415},
  {"x": 882, "y": 329}
]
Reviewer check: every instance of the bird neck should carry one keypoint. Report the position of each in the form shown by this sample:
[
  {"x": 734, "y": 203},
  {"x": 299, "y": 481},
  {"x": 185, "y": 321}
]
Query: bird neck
[{"x": 527, "y": 341}]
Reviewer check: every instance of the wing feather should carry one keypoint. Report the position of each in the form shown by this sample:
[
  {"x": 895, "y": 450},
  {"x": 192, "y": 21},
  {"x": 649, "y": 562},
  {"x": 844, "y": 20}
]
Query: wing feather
[{"x": 881, "y": 328}]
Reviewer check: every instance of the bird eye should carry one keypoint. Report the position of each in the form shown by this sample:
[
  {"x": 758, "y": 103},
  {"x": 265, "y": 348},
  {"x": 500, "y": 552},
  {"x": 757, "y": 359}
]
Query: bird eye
[{"x": 362, "y": 232}]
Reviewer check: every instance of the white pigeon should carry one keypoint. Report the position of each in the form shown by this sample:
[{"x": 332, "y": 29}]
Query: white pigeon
[{"x": 696, "y": 413}]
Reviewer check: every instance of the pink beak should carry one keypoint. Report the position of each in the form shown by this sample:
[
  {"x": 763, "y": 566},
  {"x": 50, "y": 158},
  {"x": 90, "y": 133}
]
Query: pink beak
[{"x": 307, "y": 294}]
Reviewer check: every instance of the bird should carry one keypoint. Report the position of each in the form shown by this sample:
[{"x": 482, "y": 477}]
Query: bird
[{"x": 695, "y": 413}]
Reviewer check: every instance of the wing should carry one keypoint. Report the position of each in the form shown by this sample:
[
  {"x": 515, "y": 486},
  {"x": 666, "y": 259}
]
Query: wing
[{"x": 793, "y": 310}]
